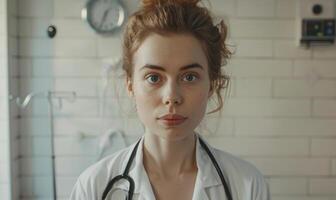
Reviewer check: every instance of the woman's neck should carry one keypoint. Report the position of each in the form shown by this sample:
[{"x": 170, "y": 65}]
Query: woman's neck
[{"x": 168, "y": 159}]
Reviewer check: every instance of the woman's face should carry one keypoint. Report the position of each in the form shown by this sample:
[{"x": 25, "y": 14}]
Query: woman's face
[{"x": 170, "y": 76}]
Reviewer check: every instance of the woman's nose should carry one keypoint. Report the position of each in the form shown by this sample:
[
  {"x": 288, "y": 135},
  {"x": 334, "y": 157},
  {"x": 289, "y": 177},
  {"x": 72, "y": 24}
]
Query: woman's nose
[
  {"x": 172, "y": 95},
  {"x": 172, "y": 101}
]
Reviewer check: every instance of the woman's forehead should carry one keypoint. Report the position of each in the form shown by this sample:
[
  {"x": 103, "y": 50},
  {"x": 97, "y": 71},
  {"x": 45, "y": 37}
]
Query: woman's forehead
[{"x": 168, "y": 51}]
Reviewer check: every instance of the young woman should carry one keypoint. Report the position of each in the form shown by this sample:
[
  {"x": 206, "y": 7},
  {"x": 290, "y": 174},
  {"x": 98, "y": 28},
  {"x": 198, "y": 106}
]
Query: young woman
[{"x": 173, "y": 55}]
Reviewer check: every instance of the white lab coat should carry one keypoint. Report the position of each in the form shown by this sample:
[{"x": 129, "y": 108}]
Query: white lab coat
[{"x": 245, "y": 181}]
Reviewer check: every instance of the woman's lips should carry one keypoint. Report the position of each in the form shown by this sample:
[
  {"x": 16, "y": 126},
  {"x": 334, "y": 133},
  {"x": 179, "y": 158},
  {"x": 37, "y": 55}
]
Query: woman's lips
[{"x": 172, "y": 119}]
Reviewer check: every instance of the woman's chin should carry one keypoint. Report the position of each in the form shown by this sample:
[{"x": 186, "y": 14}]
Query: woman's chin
[{"x": 174, "y": 135}]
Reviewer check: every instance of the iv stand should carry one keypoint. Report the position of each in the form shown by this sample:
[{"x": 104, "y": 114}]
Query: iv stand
[
  {"x": 70, "y": 96},
  {"x": 51, "y": 122}
]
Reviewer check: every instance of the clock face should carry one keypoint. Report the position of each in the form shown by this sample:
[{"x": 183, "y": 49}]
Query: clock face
[{"x": 105, "y": 16}]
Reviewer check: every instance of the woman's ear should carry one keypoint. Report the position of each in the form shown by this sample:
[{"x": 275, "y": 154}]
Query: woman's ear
[{"x": 129, "y": 87}]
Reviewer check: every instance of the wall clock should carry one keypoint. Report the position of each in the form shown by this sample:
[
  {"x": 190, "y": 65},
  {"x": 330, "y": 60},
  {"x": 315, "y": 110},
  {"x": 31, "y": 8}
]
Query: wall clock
[{"x": 104, "y": 16}]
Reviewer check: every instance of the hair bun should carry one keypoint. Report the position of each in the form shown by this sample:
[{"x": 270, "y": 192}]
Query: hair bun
[{"x": 148, "y": 4}]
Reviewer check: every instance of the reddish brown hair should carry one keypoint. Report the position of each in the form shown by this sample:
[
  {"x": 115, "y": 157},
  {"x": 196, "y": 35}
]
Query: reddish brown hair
[{"x": 180, "y": 16}]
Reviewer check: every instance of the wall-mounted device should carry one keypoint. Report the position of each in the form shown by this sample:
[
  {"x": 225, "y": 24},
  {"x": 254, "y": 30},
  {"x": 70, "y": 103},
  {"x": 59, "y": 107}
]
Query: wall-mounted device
[{"x": 315, "y": 23}]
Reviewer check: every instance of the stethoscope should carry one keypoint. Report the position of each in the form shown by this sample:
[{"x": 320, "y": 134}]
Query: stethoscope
[{"x": 131, "y": 181}]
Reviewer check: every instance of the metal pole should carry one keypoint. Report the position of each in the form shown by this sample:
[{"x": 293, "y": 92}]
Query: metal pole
[
  {"x": 62, "y": 95},
  {"x": 51, "y": 118}
]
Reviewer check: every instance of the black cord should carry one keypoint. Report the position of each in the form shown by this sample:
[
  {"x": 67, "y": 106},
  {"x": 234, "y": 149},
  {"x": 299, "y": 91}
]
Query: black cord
[
  {"x": 226, "y": 187},
  {"x": 124, "y": 176}
]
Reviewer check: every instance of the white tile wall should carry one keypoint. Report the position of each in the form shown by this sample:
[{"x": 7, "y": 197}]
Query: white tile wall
[
  {"x": 318, "y": 68},
  {"x": 322, "y": 186},
  {"x": 8, "y": 82},
  {"x": 31, "y": 27},
  {"x": 310, "y": 87},
  {"x": 280, "y": 115},
  {"x": 90, "y": 126},
  {"x": 322, "y": 52},
  {"x": 323, "y": 147},
  {"x": 246, "y": 87},
  {"x": 262, "y": 146},
  {"x": 285, "y": 126},
  {"x": 35, "y": 8},
  {"x": 262, "y": 28},
  {"x": 34, "y": 126},
  {"x": 86, "y": 87},
  {"x": 324, "y": 108},
  {"x": 259, "y": 107},
  {"x": 74, "y": 47},
  {"x": 68, "y": 9},
  {"x": 108, "y": 47},
  {"x": 38, "y": 186},
  {"x": 303, "y": 197},
  {"x": 286, "y": 48},
  {"x": 223, "y": 7},
  {"x": 334, "y": 167},
  {"x": 258, "y": 68},
  {"x": 285, "y": 9},
  {"x": 2, "y": 7},
  {"x": 2, "y": 22},
  {"x": 288, "y": 185},
  {"x": 218, "y": 126},
  {"x": 2, "y": 43},
  {"x": 298, "y": 166},
  {"x": 255, "y": 48},
  {"x": 4, "y": 141},
  {"x": 258, "y": 9},
  {"x": 62, "y": 67}
]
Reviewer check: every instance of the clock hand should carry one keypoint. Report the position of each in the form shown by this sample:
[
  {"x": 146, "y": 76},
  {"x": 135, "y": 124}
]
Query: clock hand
[{"x": 104, "y": 18}]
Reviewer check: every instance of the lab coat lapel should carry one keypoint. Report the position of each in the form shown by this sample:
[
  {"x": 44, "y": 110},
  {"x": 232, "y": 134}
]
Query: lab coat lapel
[
  {"x": 199, "y": 191},
  {"x": 207, "y": 175},
  {"x": 201, "y": 195},
  {"x": 142, "y": 189}
]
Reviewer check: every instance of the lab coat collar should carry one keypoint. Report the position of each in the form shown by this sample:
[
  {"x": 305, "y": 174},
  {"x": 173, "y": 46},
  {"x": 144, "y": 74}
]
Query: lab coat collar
[
  {"x": 137, "y": 172},
  {"x": 207, "y": 175},
  {"x": 206, "y": 170}
]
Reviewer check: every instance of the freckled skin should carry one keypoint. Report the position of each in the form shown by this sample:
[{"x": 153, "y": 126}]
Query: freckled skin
[{"x": 169, "y": 151}]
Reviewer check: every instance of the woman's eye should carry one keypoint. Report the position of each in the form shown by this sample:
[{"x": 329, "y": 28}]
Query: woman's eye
[
  {"x": 153, "y": 78},
  {"x": 190, "y": 77}
]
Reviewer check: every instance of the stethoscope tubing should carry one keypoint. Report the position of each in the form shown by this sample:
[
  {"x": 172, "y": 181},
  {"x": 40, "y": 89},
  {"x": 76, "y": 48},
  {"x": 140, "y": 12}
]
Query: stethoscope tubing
[
  {"x": 218, "y": 169},
  {"x": 124, "y": 176},
  {"x": 132, "y": 184}
]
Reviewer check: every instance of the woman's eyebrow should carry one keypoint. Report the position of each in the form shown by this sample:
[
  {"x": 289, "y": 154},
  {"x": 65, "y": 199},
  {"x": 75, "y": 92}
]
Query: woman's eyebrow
[{"x": 190, "y": 66}]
